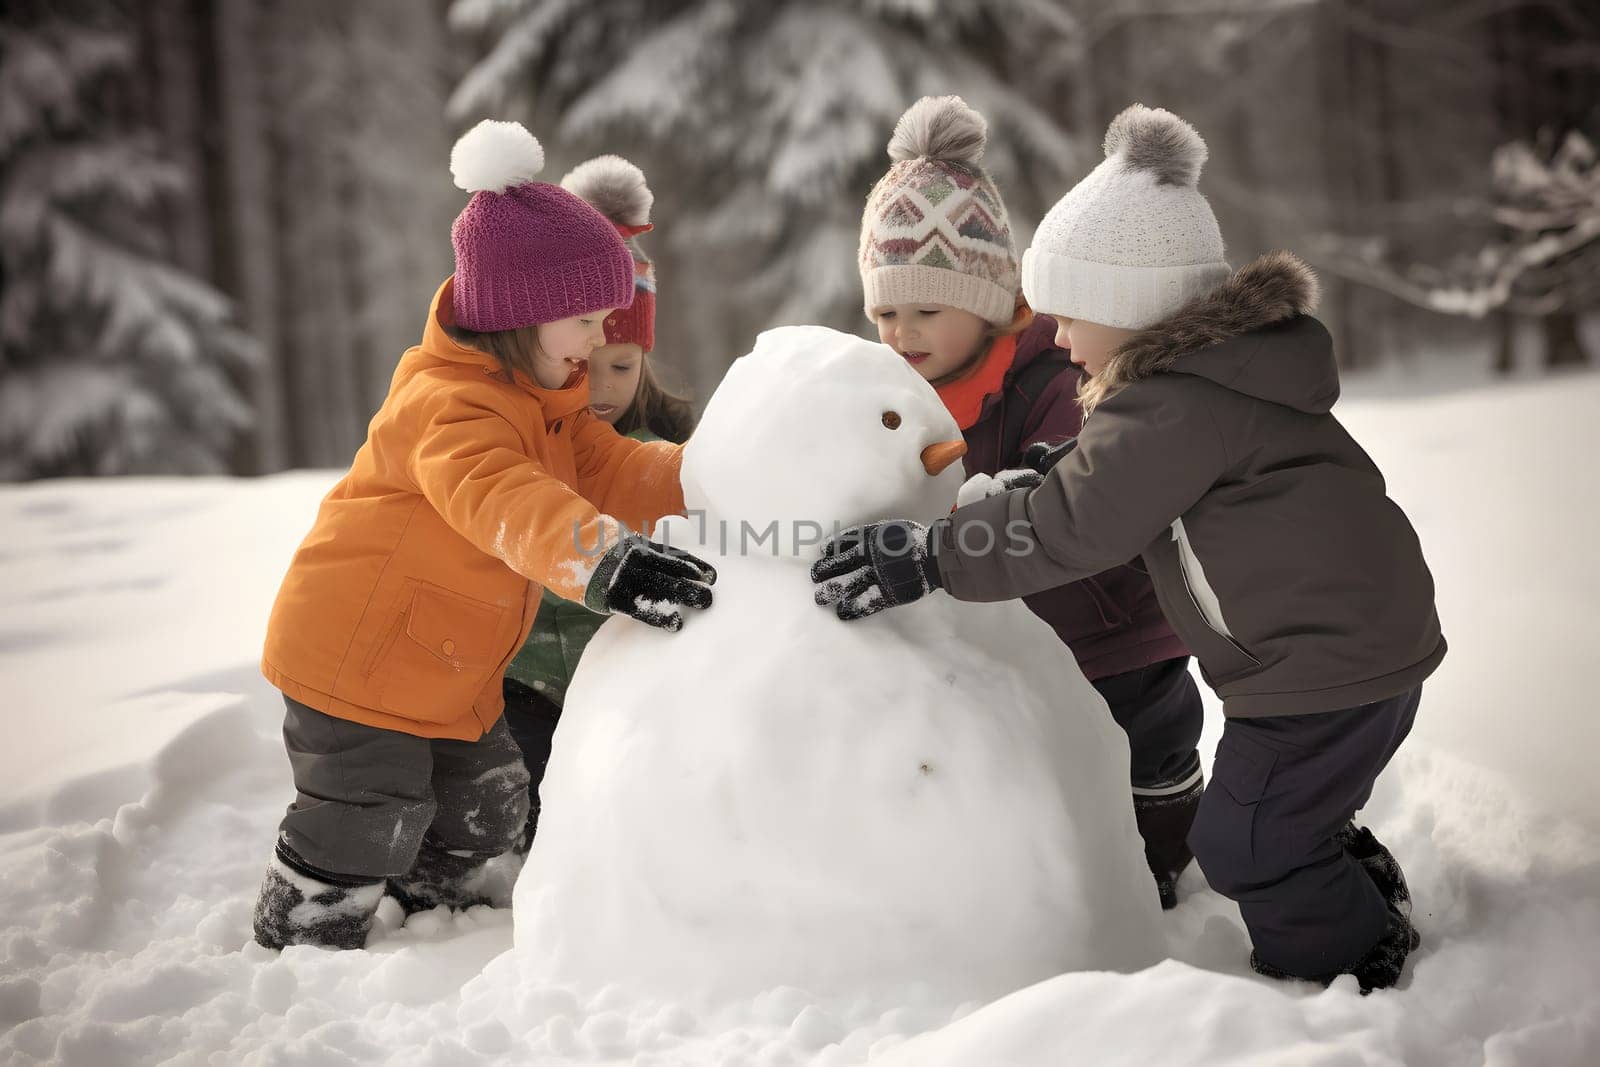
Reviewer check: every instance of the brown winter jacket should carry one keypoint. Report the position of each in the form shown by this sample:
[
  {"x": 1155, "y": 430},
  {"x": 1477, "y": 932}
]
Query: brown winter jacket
[
  {"x": 1112, "y": 622},
  {"x": 1210, "y": 449}
]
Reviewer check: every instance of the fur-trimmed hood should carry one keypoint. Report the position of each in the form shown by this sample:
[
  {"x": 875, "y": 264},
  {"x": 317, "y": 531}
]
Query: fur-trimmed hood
[{"x": 1253, "y": 334}]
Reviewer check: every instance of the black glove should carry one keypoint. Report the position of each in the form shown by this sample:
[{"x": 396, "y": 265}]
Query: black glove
[
  {"x": 1008, "y": 480},
  {"x": 1041, "y": 456},
  {"x": 880, "y": 565},
  {"x": 649, "y": 581}
]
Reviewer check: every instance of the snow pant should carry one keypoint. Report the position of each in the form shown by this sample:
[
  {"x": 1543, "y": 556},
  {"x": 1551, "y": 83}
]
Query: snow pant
[
  {"x": 1281, "y": 788},
  {"x": 1159, "y": 708},
  {"x": 369, "y": 801},
  {"x": 531, "y": 717}
]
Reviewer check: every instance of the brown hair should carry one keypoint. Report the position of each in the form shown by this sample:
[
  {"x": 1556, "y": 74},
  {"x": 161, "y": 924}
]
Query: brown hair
[
  {"x": 1021, "y": 319},
  {"x": 512, "y": 349},
  {"x": 654, "y": 408}
]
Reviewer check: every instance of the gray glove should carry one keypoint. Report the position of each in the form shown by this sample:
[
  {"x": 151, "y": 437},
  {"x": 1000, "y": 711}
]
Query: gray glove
[{"x": 1006, "y": 481}]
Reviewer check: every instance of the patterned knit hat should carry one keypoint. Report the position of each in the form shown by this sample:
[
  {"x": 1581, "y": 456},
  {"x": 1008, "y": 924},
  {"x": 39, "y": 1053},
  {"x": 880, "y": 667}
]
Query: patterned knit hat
[
  {"x": 617, "y": 189},
  {"x": 1134, "y": 241},
  {"x": 935, "y": 230},
  {"x": 527, "y": 252}
]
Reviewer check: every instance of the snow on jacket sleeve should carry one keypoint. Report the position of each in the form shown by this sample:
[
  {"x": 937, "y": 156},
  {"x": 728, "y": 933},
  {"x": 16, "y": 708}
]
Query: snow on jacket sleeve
[
  {"x": 1144, "y": 458},
  {"x": 470, "y": 464},
  {"x": 635, "y": 481}
]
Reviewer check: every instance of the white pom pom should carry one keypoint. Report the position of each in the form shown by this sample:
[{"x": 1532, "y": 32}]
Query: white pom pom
[
  {"x": 614, "y": 187},
  {"x": 1156, "y": 140},
  {"x": 494, "y": 156},
  {"x": 940, "y": 127}
]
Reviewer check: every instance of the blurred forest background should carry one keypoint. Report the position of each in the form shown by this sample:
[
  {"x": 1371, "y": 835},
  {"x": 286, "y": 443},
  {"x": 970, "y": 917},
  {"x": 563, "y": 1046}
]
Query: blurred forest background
[{"x": 221, "y": 220}]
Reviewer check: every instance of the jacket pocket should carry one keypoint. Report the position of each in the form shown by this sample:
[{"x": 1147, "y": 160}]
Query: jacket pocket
[
  {"x": 1223, "y": 656},
  {"x": 446, "y": 648},
  {"x": 1233, "y": 845},
  {"x": 1242, "y": 767}
]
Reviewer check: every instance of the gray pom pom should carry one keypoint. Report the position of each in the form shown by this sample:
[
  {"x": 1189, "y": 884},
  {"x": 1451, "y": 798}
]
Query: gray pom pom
[
  {"x": 1156, "y": 140},
  {"x": 940, "y": 127},
  {"x": 614, "y": 187}
]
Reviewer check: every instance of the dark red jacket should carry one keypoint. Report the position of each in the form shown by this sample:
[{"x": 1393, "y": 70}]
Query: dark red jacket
[{"x": 1111, "y": 622}]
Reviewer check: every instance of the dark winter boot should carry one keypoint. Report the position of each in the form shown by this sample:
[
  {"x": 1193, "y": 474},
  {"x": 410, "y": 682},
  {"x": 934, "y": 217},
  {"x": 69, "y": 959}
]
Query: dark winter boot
[
  {"x": 440, "y": 877},
  {"x": 1379, "y": 969},
  {"x": 295, "y": 908},
  {"x": 1379, "y": 864},
  {"x": 1164, "y": 815}
]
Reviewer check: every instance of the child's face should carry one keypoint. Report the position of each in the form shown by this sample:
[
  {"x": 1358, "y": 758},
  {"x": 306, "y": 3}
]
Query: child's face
[
  {"x": 1090, "y": 342},
  {"x": 937, "y": 340},
  {"x": 565, "y": 345},
  {"x": 614, "y": 380}
]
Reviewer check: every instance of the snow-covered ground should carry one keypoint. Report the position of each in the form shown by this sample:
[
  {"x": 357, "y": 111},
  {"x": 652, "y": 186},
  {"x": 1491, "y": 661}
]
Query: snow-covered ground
[{"x": 142, "y": 778}]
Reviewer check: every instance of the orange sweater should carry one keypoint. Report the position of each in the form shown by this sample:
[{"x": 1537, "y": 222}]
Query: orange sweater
[{"x": 421, "y": 576}]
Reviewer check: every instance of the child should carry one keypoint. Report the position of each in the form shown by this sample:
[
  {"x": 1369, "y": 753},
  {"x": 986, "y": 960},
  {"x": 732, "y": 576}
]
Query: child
[
  {"x": 941, "y": 281},
  {"x": 623, "y": 391},
  {"x": 483, "y": 476},
  {"x": 1209, "y": 446}
]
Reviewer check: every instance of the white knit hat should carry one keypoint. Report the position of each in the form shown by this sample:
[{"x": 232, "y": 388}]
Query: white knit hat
[{"x": 1134, "y": 241}]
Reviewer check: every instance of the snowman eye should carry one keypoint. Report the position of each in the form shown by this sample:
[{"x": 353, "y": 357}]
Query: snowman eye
[{"x": 891, "y": 419}]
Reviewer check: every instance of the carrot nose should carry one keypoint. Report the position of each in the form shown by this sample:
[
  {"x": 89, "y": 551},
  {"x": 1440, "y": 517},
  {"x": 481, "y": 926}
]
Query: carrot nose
[{"x": 935, "y": 458}]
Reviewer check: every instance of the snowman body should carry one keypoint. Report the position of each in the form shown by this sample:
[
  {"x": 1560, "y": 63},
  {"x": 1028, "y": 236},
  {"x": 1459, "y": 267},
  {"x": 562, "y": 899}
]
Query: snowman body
[{"x": 932, "y": 798}]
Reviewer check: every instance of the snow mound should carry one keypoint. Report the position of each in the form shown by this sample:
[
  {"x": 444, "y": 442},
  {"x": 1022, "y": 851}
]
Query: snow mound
[{"x": 144, "y": 775}]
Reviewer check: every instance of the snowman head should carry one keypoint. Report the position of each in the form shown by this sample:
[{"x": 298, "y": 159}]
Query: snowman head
[{"x": 816, "y": 429}]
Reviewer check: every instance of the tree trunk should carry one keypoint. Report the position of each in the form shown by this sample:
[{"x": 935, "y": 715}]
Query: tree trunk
[
  {"x": 171, "y": 47},
  {"x": 1505, "y": 346},
  {"x": 1563, "y": 346},
  {"x": 245, "y": 225}
]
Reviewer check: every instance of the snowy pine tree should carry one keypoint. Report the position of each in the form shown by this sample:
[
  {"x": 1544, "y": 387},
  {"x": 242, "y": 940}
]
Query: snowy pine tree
[
  {"x": 763, "y": 126},
  {"x": 112, "y": 360},
  {"x": 1549, "y": 204},
  {"x": 1538, "y": 268}
]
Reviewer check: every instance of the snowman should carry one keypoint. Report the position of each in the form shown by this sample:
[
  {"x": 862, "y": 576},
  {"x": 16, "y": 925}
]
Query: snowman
[{"x": 931, "y": 800}]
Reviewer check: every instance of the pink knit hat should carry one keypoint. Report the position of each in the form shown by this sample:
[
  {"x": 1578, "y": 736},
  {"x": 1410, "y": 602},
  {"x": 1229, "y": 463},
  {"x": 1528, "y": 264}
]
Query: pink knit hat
[{"x": 527, "y": 252}]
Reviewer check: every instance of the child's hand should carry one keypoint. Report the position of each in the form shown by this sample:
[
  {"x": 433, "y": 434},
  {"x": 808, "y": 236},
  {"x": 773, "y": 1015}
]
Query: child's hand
[
  {"x": 649, "y": 582},
  {"x": 1006, "y": 481},
  {"x": 880, "y": 565},
  {"x": 1041, "y": 456},
  {"x": 1037, "y": 459},
  {"x": 983, "y": 486}
]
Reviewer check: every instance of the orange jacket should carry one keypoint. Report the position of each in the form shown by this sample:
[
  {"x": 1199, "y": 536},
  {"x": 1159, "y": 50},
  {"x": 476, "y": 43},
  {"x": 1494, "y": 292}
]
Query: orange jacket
[{"x": 422, "y": 573}]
